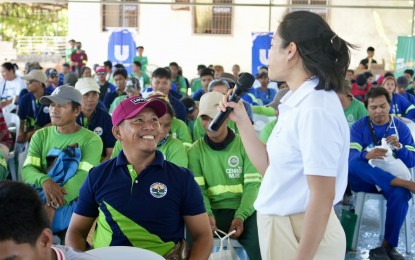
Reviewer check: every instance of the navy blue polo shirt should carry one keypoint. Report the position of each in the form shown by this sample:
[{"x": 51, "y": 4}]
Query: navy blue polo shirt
[
  {"x": 110, "y": 97},
  {"x": 31, "y": 110},
  {"x": 100, "y": 123},
  {"x": 130, "y": 208}
]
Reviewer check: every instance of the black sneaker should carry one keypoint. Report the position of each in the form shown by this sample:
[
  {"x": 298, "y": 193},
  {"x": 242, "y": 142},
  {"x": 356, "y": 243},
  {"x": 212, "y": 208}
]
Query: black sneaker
[
  {"x": 393, "y": 253},
  {"x": 378, "y": 253}
]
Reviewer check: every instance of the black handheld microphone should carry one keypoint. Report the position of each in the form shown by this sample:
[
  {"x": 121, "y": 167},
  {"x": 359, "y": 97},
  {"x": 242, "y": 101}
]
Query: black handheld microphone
[{"x": 243, "y": 84}]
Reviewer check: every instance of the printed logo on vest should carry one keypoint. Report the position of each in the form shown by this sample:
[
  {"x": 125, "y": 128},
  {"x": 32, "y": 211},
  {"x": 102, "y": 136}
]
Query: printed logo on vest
[
  {"x": 98, "y": 130},
  {"x": 46, "y": 109},
  {"x": 233, "y": 161},
  {"x": 158, "y": 190},
  {"x": 234, "y": 172}
]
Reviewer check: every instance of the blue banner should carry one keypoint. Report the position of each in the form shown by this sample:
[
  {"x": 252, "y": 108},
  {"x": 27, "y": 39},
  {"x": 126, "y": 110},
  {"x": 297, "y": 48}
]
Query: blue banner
[
  {"x": 121, "y": 48},
  {"x": 261, "y": 43}
]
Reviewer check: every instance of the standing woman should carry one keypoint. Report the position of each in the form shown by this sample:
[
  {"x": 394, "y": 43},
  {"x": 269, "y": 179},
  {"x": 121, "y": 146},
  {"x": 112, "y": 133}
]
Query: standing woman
[
  {"x": 10, "y": 84},
  {"x": 305, "y": 160}
]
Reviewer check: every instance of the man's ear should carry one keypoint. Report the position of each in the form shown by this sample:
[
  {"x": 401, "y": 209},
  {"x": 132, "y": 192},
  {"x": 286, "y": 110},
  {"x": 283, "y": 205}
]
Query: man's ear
[
  {"x": 116, "y": 132},
  {"x": 45, "y": 241},
  {"x": 78, "y": 110}
]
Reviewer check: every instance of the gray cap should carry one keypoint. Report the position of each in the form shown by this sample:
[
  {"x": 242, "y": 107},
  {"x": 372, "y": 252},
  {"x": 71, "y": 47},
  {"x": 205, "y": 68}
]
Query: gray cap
[{"x": 62, "y": 95}]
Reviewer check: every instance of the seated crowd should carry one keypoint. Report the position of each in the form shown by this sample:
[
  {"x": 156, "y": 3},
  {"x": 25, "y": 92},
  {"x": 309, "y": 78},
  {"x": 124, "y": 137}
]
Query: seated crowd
[{"x": 129, "y": 158}]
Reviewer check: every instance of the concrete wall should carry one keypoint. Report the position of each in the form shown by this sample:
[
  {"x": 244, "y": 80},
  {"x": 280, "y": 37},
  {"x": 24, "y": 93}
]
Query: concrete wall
[{"x": 167, "y": 34}]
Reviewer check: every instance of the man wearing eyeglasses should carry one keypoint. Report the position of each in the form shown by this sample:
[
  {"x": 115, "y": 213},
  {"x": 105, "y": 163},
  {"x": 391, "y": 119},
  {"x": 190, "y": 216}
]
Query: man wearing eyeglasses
[
  {"x": 53, "y": 79},
  {"x": 104, "y": 85},
  {"x": 32, "y": 114}
]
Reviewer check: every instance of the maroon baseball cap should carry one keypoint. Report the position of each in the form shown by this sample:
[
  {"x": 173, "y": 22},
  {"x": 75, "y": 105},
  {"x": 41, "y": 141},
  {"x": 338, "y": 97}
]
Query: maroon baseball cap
[
  {"x": 132, "y": 106},
  {"x": 100, "y": 69}
]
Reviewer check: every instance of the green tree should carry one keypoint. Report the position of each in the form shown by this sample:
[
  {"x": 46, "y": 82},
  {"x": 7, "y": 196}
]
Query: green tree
[{"x": 32, "y": 20}]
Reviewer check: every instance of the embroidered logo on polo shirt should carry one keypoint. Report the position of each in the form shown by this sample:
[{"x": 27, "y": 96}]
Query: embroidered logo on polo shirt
[
  {"x": 98, "y": 130},
  {"x": 46, "y": 109},
  {"x": 158, "y": 190}
]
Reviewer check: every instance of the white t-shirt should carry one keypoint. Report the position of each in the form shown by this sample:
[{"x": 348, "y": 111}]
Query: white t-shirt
[
  {"x": 11, "y": 88},
  {"x": 67, "y": 253},
  {"x": 311, "y": 137}
]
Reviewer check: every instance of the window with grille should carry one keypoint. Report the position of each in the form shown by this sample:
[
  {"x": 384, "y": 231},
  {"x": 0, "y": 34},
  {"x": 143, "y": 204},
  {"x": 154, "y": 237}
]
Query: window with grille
[
  {"x": 212, "y": 19},
  {"x": 122, "y": 15},
  {"x": 323, "y": 12}
]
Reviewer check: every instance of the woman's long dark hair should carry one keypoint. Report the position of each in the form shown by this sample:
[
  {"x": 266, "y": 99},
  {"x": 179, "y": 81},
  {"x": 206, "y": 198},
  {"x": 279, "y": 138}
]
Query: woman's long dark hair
[{"x": 323, "y": 52}]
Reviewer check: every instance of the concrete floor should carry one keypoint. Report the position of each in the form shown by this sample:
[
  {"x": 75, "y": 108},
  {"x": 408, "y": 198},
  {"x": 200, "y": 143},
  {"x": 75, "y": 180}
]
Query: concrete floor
[{"x": 369, "y": 232}]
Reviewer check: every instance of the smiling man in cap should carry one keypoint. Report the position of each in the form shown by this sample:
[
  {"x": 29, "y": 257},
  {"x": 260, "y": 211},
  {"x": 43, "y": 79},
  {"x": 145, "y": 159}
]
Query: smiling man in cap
[
  {"x": 142, "y": 200},
  {"x": 64, "y": 106}
]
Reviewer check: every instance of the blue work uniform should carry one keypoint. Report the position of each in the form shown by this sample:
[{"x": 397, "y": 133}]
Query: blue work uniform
[
  {"x": 100, "y": 123},
  {"x": 35, "y": 114},
  {"x": 364, "y": 177}
]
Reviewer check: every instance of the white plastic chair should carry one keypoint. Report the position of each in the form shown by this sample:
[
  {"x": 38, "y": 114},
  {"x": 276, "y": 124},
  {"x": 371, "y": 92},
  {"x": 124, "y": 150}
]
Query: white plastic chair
[
  {"x": 361, "y": 198},
  {"x": 13, "y": 122},
  {"x": 125, "y": 253},
  {"x": 9, "y": 108}
]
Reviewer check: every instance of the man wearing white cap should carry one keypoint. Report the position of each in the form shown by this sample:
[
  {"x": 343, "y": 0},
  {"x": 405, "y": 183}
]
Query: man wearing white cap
[
  {"x": 64, "y": 106},
  {"x": 93, "y": 117},
  {"x": 32, "y": 114},
  {"x": 227, "y": 178}
]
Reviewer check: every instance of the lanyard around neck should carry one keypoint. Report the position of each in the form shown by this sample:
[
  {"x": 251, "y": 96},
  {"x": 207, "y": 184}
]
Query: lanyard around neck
[{"x": 372, "y": 131}]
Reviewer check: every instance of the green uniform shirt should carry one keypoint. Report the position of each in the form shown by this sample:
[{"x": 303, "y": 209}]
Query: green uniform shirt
[
  {"x": 196, "y": 85},
  {"x": 173, "y": 151},
  {"x": 144, "y": 62},
  {"x": 179, "y": 130},
  {"x": 355, "y": 111},
  {"x": 181, "y": 84},
  {"x": 227, "y": 178},
  {"x": 44, "y": 140},
  {"x": 144, "y": 79},
  {"x": 263, "y": 110},
  {"x": 115, "y": 103},
  {"x": 267, "y": 130}
]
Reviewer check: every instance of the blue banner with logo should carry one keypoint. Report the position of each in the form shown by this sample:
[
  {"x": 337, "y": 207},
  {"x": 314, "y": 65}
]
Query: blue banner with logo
[
  {"x": 121, "y": 48},
  {"x": 261, "y": 43}
]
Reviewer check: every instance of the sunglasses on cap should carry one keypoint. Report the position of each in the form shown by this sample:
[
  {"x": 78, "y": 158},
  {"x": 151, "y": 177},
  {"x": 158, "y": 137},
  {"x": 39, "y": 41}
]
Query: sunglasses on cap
[{"x": 31, "y": 81}]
